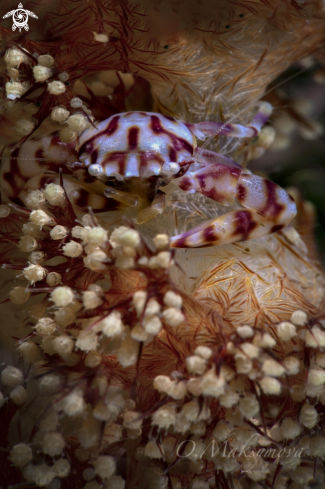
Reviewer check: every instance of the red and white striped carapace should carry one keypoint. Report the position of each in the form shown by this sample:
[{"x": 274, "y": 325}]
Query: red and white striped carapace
[
  {"x": 143, "y": 144},
  {"x": 131, "y": 155},
  {"x": 136, "y": 144}
]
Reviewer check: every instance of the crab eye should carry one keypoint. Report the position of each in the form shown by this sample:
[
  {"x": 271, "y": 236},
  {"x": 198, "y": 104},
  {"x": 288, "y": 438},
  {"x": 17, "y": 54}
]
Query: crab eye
[
  {"x": 95, "y": 170},
  {"x": 170, "y": 168}
]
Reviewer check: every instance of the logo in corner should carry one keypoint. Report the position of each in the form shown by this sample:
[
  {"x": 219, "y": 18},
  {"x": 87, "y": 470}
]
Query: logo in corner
[{"x": 20, "y": 18}]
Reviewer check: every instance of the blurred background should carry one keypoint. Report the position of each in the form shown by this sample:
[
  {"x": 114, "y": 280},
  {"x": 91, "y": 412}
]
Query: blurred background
[{"x": 296, "y": 158}]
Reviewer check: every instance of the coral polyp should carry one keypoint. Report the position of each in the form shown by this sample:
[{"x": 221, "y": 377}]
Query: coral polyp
[{"x": 124, "y": 360}]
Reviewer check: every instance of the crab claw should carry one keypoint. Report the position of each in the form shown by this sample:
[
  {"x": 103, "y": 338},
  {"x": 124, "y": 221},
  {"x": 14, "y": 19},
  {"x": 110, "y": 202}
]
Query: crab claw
[
  {"x": 267, "y": 207},
  {"x": 207, "y": 128}
]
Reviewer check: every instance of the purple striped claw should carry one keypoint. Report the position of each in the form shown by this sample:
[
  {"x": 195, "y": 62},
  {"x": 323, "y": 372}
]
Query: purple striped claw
[
  {"x": 203, "y": 129},
  {"x": 266, "y": 206}
]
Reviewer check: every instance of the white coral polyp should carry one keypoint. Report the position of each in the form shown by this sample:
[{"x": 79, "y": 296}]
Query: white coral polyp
[
  {"x": 42, "y": 73},
  {"x": 53, "y": 444},
  {"x": 14, "y": 57},
  {"x": 87, "y": 341},
  {"x": 112, "y": 326},
  {"x": 20, "y": 455},
  {"x": 4, "y": 211},
  {"x": 161, "y": 241},
  {"x": 62, "y": 296},
  {"x": 91, "y": 300},
  {"x": 45, "y": 60},
  {"x": 308, "y": 416},
  {"x": 139, "y": 300},
  {"x": 27, "y": 244},
  {"x": 53, "y": 279},
  {"x": 45, "y": 326},
  {"x": 56, "y": 87},
  {"x": 97, "y": 236},
  {"x": 14, "y": 90},
  {"x": 34, "y": 199},
  {"x": 59, "y": 114},
  {"x": 34, "y": 273},
  {"x": 63, "y": 345},
  {"x": 286, "y": 331},
  {"x": 164, "y": 417},
  {"x": 93, "y": 359},
  {"x": 211, "y": 384},
  {"x": 123, "y": 236},
  {"x": 72, "y": 249},
  {"x": 80, "y": 233},
  {"x": 11, "y": 376},
  {"x": 65, "y": 316},
  {"x": 74, "y": 404},
  {"x": 77, "y": 122},
  {"x": 76, "y": 103},
  {"x": 173, "y": 317},
  {"x": 54, "y": 194},
  {"x": 152, "y": 324},
  {"x": 104, "y": 466},
  {"x": 272, "y": 368},
  {"x": 96, "y": 260},
  {"x": 18, "y": 395},
  {"x": 171, "y": 299},
  {"x": 18, "y": 295},
  {"x": 161, "y": 260},
  {"x": 37, "y": 257},
  {"x": 40, "y": 218},
  {"x": 127, "y": 354},
  {"x": 270, "y": 385}
]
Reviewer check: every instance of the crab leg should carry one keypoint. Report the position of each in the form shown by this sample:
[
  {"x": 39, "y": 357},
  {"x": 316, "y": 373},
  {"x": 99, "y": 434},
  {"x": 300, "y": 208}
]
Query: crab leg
[
  {"x": 20, "y": 164},
  {"x": 206, "y": 157},
  {"x": 203, "y": 129},
  {"x": 267, "y": 207}
]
